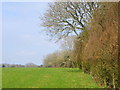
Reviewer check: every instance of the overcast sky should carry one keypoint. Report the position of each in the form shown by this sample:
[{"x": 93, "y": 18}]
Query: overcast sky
[{"x": 23, "y": 41}]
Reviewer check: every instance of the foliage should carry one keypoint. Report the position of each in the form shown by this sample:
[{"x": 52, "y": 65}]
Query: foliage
[
  {"x": 19, "y": 65},
  {"x": 97, "y": 52},
  {"x": 58, "y": 59}
]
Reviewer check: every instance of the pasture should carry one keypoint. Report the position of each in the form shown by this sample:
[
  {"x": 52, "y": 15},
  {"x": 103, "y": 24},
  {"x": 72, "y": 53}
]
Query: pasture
[{"x": 46, "y": 78}]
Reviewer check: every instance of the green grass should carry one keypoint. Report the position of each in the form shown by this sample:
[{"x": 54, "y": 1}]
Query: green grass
[{"x": 46, "y": 78}]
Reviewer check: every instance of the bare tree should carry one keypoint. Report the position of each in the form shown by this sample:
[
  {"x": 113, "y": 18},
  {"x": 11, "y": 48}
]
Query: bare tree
[
  {"x": 67, "y": 18},
  {"x": 67, "y": 43}
]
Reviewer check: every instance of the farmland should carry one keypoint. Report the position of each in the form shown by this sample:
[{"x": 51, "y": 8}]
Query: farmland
[{"x": 46, "y": 78}]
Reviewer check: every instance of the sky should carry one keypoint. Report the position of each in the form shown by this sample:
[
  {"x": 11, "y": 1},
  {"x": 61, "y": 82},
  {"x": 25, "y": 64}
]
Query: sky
[
  {"x": 23, "y": 39},
  {"x": 0, "y": 32}
]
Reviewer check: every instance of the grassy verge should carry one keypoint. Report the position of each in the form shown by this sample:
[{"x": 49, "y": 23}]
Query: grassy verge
[{"x": 46, "y": 78}]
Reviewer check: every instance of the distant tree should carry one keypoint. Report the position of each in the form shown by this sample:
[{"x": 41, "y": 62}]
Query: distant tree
[
  {"x": 31, "y": 65},
  {"x": 13, "y": 65},
  {"x": 3, "y": 65},
  {"x": 40, "y": 66},
  {"x": 58, "y": 59}
]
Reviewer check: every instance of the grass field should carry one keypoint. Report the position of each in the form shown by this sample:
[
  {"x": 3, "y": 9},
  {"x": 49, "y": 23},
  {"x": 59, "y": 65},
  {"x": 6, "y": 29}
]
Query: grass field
[{"x": 46, "y": 78}]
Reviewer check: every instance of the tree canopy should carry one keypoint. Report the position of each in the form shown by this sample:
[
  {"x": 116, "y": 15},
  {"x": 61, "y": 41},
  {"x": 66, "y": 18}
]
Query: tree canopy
[{"x": 63, "y": 19}]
